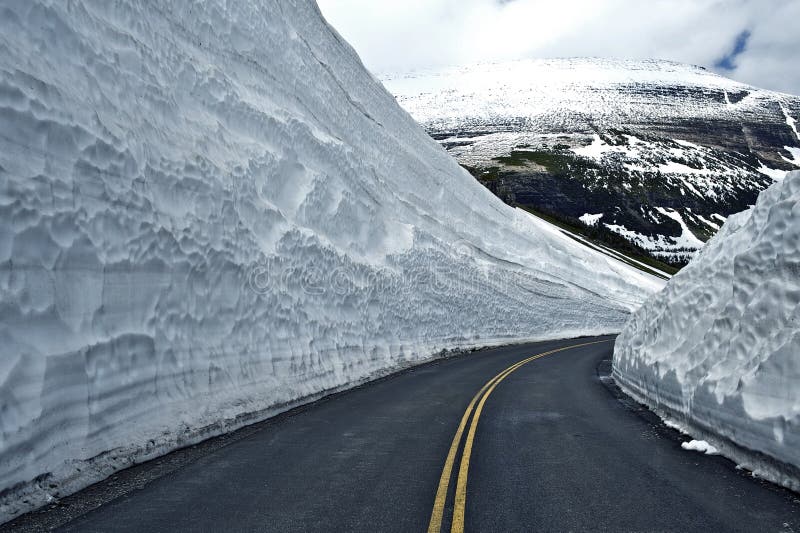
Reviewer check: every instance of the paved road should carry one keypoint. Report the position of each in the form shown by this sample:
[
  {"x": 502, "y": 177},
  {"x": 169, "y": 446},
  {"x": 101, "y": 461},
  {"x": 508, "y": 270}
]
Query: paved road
[{"x": 553, "y": 449}]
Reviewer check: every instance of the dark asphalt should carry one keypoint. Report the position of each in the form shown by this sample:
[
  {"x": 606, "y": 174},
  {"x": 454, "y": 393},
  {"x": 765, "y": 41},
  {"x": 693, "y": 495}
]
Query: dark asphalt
[{"x": 555, "y": 450}]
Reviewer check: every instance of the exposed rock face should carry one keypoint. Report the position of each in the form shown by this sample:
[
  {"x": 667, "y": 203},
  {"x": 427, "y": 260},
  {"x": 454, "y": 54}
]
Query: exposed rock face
[{"x": 664, "y": 151}]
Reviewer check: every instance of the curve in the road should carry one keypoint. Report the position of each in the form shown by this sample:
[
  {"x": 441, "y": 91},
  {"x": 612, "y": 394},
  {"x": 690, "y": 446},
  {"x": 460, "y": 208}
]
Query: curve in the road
[
  {"x": 555, "y": 448},
  {"x": 459, "y": 509}
]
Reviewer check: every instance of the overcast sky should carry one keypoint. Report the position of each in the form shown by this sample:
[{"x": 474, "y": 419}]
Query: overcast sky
[{"x": 754, "y": 41}]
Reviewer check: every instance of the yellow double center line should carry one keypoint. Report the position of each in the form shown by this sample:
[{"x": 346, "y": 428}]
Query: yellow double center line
[{"x": 435, "y": 525}]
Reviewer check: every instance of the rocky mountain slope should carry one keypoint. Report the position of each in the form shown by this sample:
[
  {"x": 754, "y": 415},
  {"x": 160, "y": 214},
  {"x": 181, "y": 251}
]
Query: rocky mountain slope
[{"x": 656, "y": 152}]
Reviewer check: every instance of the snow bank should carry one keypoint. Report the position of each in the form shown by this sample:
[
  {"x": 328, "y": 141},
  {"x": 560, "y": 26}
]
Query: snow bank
[
  {"x": 718, "y": 350},
  {"x": 211, "y": 211}
]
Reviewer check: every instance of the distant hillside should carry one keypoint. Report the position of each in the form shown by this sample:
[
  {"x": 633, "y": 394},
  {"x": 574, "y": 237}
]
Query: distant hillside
[{"x": 656, "y": 152}]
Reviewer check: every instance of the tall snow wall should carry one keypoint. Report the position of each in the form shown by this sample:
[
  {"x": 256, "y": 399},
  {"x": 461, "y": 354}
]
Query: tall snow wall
[
  {"x": 211, "y": 211},
  {"x": 718, "y": 350}
]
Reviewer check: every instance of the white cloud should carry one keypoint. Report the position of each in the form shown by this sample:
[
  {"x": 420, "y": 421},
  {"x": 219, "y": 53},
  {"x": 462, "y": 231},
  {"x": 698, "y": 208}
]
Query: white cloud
[{"x": 395, "y": 36}]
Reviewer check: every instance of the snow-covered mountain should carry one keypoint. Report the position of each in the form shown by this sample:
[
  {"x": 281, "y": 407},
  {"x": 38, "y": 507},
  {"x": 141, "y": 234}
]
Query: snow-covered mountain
[
  {"x": 211, "y": 211},
  {"x": 718, "y": 350},
  {"x": 654, "y": 151}
]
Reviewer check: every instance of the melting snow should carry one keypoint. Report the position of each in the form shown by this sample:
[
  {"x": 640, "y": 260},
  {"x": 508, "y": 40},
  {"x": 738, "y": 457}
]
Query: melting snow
[
  {"x": 687, "y": 238},
  {"x": 791, "y": 122},
  {"x": 774, "y": 173},
  {"x": 700, "y": 446},
  {"x": 795, "y": 152},
  {"x": 706, "y": 221},
  {"x": 673, "y": 167},
  {"x": 589, "y": 219},
  {"x": 689, "y": 145},
  {"x": 596, "y": 149}
]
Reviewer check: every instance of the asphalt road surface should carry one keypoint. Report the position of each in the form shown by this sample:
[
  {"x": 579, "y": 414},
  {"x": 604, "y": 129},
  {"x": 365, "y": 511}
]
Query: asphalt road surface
[{"x": 547, "y": 445}]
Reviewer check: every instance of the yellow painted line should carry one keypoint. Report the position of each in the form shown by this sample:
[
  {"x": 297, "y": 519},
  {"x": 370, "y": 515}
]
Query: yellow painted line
[{"x": 435, "y": 524}]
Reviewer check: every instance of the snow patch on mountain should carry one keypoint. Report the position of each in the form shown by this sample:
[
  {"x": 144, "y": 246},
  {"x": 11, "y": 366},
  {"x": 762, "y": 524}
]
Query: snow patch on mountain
[
  {"x": 718, "y": 350},
  {"x": 590, "y": 219},
  {"x": 774, "y": 173},
  {"x": 687, "y": 238},
  {"x": 790, "y": 121},
  {"x": 795, "y": 153}
]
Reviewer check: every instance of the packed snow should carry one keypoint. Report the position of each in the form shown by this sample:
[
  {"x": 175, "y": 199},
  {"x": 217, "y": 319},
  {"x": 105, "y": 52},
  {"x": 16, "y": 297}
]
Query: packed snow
[
  {"x": 699, "y": 446},
  {"x": 718, "y": 350},
  {"x": 212, "y": 212}
]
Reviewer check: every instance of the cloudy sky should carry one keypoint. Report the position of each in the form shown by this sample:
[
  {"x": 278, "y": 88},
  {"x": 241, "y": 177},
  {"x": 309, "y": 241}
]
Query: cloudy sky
[{"x": 754, "y": 41}]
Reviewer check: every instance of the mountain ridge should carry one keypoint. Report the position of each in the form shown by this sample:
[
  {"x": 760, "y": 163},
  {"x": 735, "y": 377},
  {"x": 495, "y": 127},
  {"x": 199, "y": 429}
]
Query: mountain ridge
[{"x": 662, "y": 151}]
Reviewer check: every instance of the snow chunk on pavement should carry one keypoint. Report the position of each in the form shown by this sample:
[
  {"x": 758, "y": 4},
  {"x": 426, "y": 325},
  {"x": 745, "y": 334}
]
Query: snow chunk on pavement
[{"x": 700, "y": 446}]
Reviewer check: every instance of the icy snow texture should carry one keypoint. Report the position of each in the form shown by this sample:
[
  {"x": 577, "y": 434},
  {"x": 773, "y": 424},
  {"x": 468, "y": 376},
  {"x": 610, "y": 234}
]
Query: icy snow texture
[
  {"x": 699, "y": 446},
  {"x": 210, "y": 211},
  {"x": 718, "y": 350}
]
